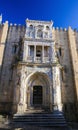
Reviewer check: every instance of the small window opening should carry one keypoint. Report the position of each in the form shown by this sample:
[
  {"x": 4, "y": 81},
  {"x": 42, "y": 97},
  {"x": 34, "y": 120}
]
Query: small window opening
[
  {"x": 31, "y": 50},
  {"x": 62, "y": 75},
  {"x": 14, "y": 49},
  {"x": 47, "y": 27},
  {"x": 60, "y": 51},
  {"x": 38, "y": 53},
  {"x": 31, "y": 26}
]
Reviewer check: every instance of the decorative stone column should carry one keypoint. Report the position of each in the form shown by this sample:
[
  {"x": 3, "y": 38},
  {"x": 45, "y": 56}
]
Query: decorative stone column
[
  {"x": 51, "y": 109},
  {"x": 25, "y": 53},
  {"x": 57, "y": 102},
  {"x": 34, "y": 53},
  {"x": 53, "y": 56},
  {"x": 43, "y": 53},
  {"x": 58, "y": 89},
  {"x": 20, "y": 89},
  {"x": 35, "y": 33}
]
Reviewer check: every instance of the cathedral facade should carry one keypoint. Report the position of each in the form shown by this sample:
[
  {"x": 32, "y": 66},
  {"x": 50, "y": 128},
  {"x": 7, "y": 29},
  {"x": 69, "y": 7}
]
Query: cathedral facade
[{"x": 38, "y": 68}]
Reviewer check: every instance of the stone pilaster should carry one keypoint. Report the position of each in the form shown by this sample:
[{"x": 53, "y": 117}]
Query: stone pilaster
[
  {"x": 58, "y": 89},
  {"x": 57, "y": 104},
  {"x": 34, "y": 52},
  {"x": 51, "y": 95},
  {"x": 19, "y": 100},
  {"x": 43, "y": 53},
  {"x": 74, "y": 56},
  {"x": 25, "y": 53}
]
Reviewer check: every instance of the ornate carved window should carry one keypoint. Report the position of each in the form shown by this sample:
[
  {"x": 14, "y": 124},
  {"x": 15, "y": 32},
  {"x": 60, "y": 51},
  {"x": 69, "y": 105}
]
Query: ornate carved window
[
  {"x": 47, "y": 27},
  {"x": 46, "y": 35},
  {"x": 39, "y": 33},
  {"x": 31, "y": 26},
  {"x": 38, "y": 51}
]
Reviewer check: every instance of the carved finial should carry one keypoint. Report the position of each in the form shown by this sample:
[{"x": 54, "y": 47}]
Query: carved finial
[
  {"x": 15, "y": 24},
  {"x": 65, "y": 29},
  {"x": 53, "y": 28},
  {"x": 11, "y": 24},
  {"x": 61, "y": 28},
  {"x": 27, "y": 19},
  {"x": 57, "y": 28},
  {"x": 0, "y": 18}
]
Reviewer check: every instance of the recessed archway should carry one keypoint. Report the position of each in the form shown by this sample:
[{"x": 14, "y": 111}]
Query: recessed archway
[{"x": 41, "y": 83}]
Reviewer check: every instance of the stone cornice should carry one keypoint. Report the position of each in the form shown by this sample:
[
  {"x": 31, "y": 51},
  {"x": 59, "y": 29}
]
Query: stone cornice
[
  {"x": 38, "y": 40},
  {"x": 38, "y": 64},
  {"x": 39, "y": 22}
]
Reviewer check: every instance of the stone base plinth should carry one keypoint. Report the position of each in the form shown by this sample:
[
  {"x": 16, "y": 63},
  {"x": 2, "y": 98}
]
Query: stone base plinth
[{"x": 21, "y": 108}]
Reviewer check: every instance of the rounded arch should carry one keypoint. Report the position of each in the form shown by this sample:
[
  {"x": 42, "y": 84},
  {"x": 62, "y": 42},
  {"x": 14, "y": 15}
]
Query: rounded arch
[
  {"x": 47, "y": 27},
  {"x": 31, "y": 26}
]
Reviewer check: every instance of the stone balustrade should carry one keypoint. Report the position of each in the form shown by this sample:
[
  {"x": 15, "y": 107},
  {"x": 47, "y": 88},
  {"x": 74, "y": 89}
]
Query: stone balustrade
[
  {"x": 46, "y": 59},
  {"x": 29, "y": 59},
  {"x": 38, "y": 59}
]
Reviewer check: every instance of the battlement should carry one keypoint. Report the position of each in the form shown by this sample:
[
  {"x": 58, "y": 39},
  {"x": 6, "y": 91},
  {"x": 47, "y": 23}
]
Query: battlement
[
  {"x": 16, "y": 25},
  {"x": 37, "y": 22}
]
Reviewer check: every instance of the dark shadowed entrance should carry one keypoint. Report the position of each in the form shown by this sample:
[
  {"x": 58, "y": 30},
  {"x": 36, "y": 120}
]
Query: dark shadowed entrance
[{"x": 37, "y": 95}]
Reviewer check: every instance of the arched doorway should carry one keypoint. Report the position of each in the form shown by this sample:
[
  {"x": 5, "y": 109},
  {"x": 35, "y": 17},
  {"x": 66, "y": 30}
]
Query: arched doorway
[{"x": 38, "y": 90}]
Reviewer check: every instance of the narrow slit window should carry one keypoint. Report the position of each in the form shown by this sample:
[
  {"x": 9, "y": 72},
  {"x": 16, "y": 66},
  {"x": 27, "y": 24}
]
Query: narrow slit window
[
  {"x": 14, "y": 49},
  {"x": 60, "y": 52}
]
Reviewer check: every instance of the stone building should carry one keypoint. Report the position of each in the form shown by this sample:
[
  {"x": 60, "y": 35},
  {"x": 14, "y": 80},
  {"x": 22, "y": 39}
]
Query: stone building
[{"x": 38, "y": 68}]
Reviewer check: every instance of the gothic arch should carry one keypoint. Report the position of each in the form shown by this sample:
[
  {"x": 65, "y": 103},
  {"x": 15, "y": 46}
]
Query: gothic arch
[
  {"x": 44, "y": 75},
  {"x": 38, "y": 79}
]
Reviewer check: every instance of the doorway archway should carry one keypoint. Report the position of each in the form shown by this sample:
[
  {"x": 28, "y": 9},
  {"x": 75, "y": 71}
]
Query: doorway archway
[{"x": 38, "y": 90}]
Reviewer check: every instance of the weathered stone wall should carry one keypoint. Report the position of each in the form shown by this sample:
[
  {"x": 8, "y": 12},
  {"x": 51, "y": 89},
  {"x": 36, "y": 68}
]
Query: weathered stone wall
[
  {"x": 1, "y": 48},
  {"x": 3, "y": 36},
  {"x": 60, "y": 36},
  {"x": 74, "y": 56},
  {"x": 15, "y": 33},
  {"x": 76, "y": 39}
]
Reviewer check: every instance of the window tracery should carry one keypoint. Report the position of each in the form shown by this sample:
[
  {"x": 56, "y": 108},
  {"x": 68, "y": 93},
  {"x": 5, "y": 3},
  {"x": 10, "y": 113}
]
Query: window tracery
[{"x": 39, "y": 33}]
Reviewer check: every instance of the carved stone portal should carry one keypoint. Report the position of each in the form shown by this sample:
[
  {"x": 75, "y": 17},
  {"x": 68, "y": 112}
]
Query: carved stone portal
[{"x": 36, "y": 92}]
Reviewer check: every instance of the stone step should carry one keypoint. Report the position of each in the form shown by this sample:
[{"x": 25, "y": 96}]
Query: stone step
[
  {"x": 40, "y": 116},
  {"x": 40, "y": 119},
  {"x": 42, "y": 123}
]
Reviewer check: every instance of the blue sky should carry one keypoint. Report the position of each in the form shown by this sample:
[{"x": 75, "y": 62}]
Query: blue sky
[{"x": 64, "y": 13}]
